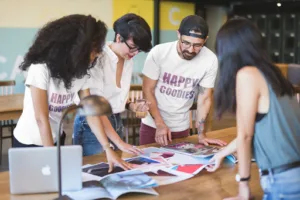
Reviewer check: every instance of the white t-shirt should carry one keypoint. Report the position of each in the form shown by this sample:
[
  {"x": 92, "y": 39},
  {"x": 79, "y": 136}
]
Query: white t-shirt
[
  {"x": 104, "y": 79},
  {"x": 27, "y": 130},
  {"x": 177, "y": 82}
]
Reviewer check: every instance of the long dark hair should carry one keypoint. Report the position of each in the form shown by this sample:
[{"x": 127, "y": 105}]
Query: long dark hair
[
  {"x": 238, "y": 44},
  {"x": 65, "y": 46}
]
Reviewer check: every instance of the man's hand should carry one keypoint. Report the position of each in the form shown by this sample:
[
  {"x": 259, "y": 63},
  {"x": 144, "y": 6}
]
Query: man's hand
[
  {"x": 202, "y": 139},
  {"x": 163, "y": 134}
]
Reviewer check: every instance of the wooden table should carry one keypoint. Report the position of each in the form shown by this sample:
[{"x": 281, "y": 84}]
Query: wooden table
[
  {"x": 11, "y": 106},
  {"x": 205, "y": 185}
]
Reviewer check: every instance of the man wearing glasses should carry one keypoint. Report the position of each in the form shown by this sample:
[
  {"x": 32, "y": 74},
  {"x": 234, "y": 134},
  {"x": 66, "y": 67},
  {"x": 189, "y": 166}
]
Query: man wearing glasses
[
  {"x": 111, "y": 78},
  {"x": 173, "y": 73}
]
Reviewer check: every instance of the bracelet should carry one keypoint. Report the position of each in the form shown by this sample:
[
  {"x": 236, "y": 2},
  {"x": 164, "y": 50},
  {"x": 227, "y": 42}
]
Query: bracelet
[{"x": 106, "y": 146}]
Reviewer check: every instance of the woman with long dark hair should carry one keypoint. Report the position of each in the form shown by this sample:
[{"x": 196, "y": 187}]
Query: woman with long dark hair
[
  {"x": 267, "y": 112},
  {"x": 58, "y": 63}
]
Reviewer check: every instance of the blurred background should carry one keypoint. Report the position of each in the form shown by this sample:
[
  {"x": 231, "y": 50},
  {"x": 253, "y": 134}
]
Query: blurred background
[{"x": 278, "y": 20}]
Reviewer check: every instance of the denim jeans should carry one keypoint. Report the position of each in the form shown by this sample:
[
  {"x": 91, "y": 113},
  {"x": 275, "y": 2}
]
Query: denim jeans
[
  {"x": 84, "y": 136},
  {"x": 285, "y": 185}
]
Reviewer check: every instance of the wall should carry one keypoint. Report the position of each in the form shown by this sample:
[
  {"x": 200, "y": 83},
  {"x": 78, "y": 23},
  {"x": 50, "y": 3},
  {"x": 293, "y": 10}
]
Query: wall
[
  {"x": 18, "y": 28},
  {"x": 216, "y": 16}
]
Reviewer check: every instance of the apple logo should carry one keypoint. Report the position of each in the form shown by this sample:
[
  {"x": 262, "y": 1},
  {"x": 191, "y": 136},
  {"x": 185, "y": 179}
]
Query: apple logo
[{"x": 46, "y": 170}]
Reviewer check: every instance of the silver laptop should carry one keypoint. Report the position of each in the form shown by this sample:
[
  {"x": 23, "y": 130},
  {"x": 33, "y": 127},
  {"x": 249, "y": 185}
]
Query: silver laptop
[{"x": 34, "y": 170}]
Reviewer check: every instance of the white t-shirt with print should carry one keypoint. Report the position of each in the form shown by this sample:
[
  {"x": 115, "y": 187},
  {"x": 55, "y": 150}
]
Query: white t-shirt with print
[
  {"x": 27, "y": 130},
  {"x": 178, "y": 81},
  {"x": 104, "y": 82}
]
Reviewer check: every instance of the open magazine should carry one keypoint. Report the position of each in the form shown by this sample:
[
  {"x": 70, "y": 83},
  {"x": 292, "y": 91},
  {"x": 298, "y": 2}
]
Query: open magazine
[
  {"x": 114, "y": 185},
  {"x": 191, "y": 149},
  {"x": 175, "y": 158}
]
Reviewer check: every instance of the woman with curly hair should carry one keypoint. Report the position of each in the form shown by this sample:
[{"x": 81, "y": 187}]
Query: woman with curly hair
[
  {"x": 58, "y": 63},
  {"x": 112, "y": 77}
]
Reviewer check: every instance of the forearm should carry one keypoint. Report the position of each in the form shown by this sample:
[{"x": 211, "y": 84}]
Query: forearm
[
  {"x": 229, "y": 149},
  {"x": 154, "y": 111},
  {"x": 203, "y": 107},
  {"x": 110, "y": 131},
  {"x": 97, "y": 128},
  {"x": 45, "y": 132},
  {"x": 244, "y": 144}
]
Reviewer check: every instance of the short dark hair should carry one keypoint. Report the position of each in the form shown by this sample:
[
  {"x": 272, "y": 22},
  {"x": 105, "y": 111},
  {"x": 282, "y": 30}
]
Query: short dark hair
[
  {"x": 193, "y": 23},
  {"x": 65, "y": 46},
  {"x": 239, "y": 43},
  {"x": 135, "y": 27}
]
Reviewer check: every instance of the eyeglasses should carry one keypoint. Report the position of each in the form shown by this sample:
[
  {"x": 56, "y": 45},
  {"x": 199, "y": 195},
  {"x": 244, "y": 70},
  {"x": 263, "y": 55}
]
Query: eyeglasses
[
  {"x": 131, "y": 49},
  {"x": 187, "y": 44}
]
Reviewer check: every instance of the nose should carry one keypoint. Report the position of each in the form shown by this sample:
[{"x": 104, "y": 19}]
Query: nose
[{"x": 191, "y": 49}]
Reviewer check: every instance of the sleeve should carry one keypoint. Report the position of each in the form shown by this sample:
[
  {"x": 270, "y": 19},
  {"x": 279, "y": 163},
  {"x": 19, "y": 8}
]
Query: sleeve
[
  {"x": 87, "y": 83},
  {"x": 38, "y": 76},
  {"x": 209, "y": 78},
  {"x": 151, "y": 66}
]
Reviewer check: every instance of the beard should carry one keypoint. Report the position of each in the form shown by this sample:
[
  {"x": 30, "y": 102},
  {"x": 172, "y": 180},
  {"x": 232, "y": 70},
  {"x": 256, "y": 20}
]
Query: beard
[{"x": 188, "y": 55}]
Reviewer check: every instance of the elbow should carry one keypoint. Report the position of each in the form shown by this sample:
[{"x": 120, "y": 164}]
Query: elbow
[{"x": 245, "y": 138}]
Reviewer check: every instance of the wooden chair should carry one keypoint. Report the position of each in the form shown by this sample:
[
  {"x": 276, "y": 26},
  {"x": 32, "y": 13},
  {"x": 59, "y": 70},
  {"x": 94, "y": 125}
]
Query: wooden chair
[
  {"x": 6, "y": 88},
  {"x": 131, "y": 122}
]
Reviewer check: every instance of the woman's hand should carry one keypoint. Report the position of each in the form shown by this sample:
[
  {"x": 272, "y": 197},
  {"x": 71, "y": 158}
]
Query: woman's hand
[
  {"x": 128, "y": 148},
  {"x": 114, "y": 159},
  {"x": 215, "y": 161},
  {"x": 140, "y": 107}
]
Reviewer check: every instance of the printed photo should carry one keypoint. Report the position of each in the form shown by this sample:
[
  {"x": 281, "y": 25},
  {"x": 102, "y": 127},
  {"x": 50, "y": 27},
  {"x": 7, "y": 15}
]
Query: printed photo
[{"x": 101, "y": 169}]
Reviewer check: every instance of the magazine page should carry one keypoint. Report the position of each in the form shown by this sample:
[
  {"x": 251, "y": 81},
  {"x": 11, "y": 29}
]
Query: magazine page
[
  {"x": 90, "y": 190},
  {"x": 188, "y": 148},
  {"x": 101, "y": 169},
  {"x": 128, "y": 181},
  {"x": 141, "y": 162},
  {"x": 165, "y": 176},
  {"x": 190, "y": 168},
  {"x": 170, "y": 157}
]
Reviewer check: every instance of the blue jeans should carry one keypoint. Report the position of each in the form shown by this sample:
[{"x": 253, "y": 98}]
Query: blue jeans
[
  {"x": 285, "y": 185},
  {"x": 84, "y": 136}
]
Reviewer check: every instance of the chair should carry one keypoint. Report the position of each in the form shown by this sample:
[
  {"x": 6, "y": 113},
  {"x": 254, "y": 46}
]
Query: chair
[
  {"x": 132, "y": 123},
  {"x": 6, "y": 88}
]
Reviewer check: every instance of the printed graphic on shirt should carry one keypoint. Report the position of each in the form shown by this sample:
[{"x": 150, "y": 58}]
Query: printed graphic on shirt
[
  {"x": 178, "y": 86},
  {"x": 59, "y": 102}
]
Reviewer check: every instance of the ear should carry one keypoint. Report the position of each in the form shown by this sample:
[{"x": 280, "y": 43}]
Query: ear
[
  {"x": 206, "y": 38},
  {"x": 119, "y": 38},
  {"x": 178, "y": 35}
]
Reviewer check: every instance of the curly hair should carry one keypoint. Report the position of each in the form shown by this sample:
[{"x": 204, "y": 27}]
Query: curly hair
[{"x": 65, "y": 46}]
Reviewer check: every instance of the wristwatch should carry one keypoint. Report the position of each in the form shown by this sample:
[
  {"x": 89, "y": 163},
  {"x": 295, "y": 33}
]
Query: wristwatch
[{"x": 238, "y": 178}]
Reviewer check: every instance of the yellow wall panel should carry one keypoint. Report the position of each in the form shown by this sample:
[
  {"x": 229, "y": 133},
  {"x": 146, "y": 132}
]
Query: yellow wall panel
[
  {"x": 171, "y": 14},
  {"x": 144, "y": 8},
  {"x": 35, "y": 13}
]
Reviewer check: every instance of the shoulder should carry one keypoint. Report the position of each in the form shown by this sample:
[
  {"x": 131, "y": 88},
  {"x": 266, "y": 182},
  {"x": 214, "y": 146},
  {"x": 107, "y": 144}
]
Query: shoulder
[
  {"x": 250, "y": 72},
  {"x": 164, "y": 46},
  {"x": 248, "y": 76},
  {"x": 207, "y": 53},
  {"x": 38, "y": 68}
]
